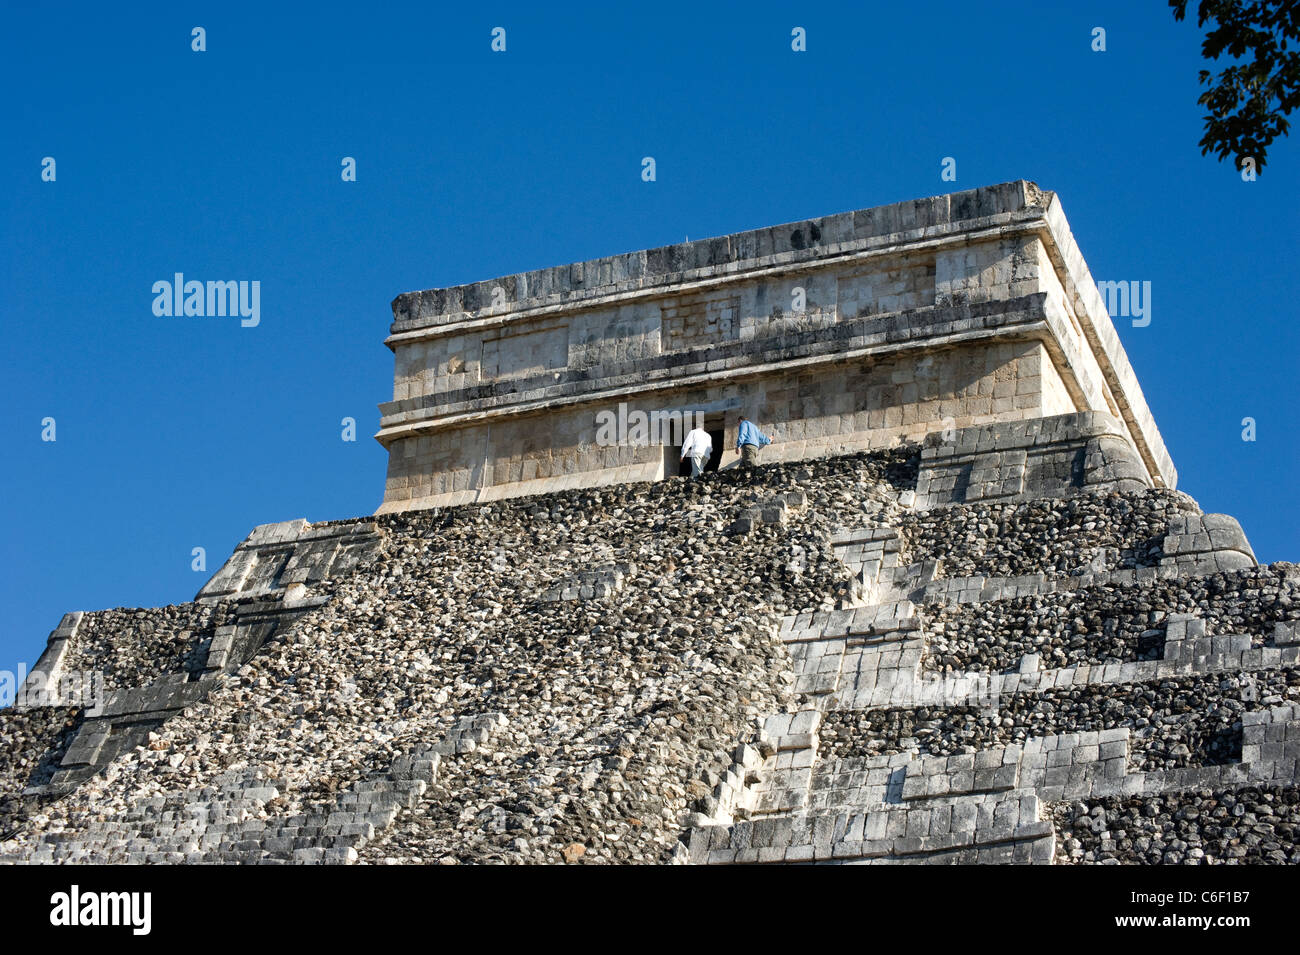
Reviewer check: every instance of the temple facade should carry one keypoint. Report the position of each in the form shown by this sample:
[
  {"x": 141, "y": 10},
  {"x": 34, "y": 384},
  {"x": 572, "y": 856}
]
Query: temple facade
[{"x": 855, "y": 331}]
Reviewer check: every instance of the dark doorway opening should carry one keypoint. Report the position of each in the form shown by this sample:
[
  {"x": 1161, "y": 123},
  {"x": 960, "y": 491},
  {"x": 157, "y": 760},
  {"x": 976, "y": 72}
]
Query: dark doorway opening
[
  {"x": 716, "y": 427},
  {"x": 716, "y": 433}
]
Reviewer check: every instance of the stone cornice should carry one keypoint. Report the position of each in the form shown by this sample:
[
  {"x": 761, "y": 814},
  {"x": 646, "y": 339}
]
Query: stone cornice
[
  {"x": 914, "y": 225},
  {"x": 1015, "y": 320}
]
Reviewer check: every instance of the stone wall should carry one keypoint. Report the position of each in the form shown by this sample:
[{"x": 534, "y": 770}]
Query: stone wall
[
  {"x": 850, "y": 406},
  {"x": 792, "y": 664},
  {"x": 32, "y": 741},
  {"x": 851, "y": 332},
  {"x": 1248, "y": 825},
  {"x": 621, "y": 641},
  {"x": 1034, "y": 716},
  {"x": 145, "y": 665}
]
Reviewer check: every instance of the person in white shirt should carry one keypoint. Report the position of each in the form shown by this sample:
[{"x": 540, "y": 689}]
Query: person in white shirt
[{"x": 699, "y": 448}]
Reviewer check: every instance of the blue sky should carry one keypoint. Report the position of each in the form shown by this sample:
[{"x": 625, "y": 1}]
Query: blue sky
[{"x": 176, "y": 433}]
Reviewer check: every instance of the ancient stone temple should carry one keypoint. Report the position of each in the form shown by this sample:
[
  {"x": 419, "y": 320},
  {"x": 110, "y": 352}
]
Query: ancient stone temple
[
  {"x": 957, "y": 613},
  {"x": 847, "y": 333}
]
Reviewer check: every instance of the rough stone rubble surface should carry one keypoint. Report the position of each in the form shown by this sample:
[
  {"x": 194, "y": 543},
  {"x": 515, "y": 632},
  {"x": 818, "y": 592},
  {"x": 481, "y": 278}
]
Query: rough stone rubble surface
[
  {"x": 791, "y": 664},
  {"x": 959, "y": 615}
]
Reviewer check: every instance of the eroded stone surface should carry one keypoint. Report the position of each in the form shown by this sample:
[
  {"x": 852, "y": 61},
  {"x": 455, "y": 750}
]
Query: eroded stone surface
[
  {"x": 725, "y": 697},
  {"x": 958, "y": 615},
  {"x": 614, "y": 709},
  {"x": 852, "y": 332}
]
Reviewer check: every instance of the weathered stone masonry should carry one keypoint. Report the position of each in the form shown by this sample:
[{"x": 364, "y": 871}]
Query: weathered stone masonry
[
  {"x": 1031, "y": 739},
  {"x": 938, "y": 313},
  {"x": 960, "y": 615},
  {"x": 336, "y": 739}
]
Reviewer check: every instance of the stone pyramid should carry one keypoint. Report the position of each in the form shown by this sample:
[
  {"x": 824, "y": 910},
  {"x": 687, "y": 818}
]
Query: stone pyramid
[{"x": 958, "y": 613}]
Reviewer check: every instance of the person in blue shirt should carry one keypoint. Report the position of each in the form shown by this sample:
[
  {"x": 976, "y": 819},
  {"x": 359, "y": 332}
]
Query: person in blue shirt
[{"x": 748, "y": 441}]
